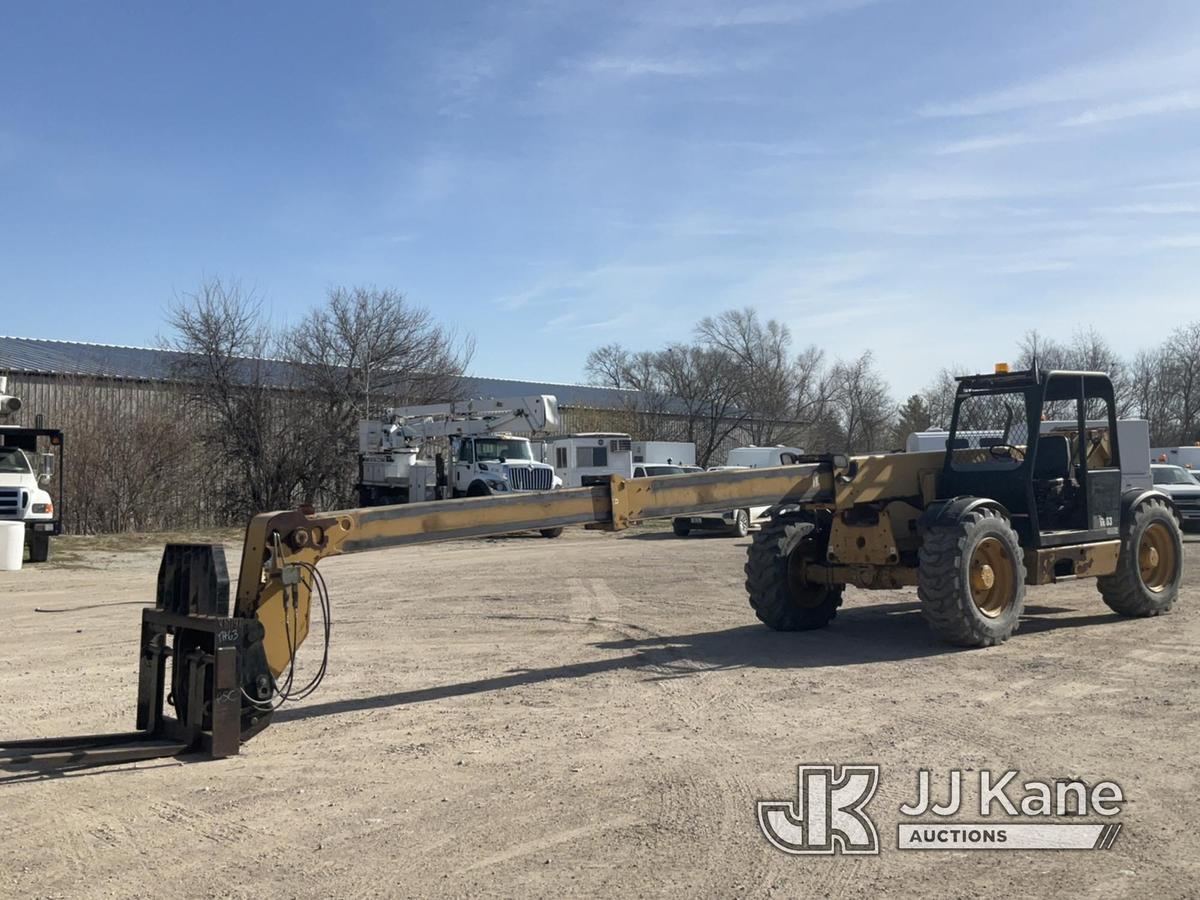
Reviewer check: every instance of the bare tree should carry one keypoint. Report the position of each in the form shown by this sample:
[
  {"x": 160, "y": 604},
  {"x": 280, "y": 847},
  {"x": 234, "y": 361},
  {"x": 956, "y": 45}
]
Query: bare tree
[
  {"x": 938, "y": 396},
  {"x": 648, "y": 409},
  {"x": 711, "y": 390},
  {"x": 238, "y": 396},
  {"x": 1046, "y": 352},
  {"x": 368, "y": 348},
  {"x": 762, "y": 351},
  {"x": 609, "y": 366},
  {"x": 863, "y": 406},
  {"x": 365, "y": 350}
]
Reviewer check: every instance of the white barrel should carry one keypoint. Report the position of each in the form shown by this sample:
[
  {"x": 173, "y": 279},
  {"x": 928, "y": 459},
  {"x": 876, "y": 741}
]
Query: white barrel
[{"x": 12, "y": 546}]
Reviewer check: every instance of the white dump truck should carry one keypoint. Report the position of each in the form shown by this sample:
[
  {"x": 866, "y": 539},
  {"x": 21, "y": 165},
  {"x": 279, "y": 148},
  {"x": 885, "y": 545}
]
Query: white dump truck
[
  {"x": 27, "y": 467},
  {"x": 488, "y": 444}
]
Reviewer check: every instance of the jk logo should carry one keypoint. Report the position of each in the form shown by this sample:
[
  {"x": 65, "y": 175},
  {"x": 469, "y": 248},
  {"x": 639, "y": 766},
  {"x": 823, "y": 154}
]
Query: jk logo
[{"x": 827, "y": 816}]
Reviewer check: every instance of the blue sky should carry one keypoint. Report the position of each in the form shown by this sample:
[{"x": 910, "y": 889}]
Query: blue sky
[{"x": 924, "y": 179}]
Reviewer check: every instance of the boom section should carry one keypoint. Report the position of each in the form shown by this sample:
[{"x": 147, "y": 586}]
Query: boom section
[{"x": 274, "y": 540}]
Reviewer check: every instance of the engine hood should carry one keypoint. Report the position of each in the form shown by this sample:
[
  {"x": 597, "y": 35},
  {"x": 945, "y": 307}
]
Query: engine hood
[
  {"x": 12, "y": 479},
  {"x": 1179, "y": 490}
]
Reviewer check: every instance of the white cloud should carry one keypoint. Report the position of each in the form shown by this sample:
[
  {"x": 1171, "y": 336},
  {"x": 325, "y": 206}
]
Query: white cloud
[
  {"x": 1179, "y": 242},
  {"x": 1174, "y": 185},
  {"x": 1150, "y": 70},
  {"x": 1178, "y": 102},
  {"x": 1154, "y": 209},
  {"x": 1033, "y": 266},
  {"x": 989, "y": 142},
  {"x": 747, "y": 15},
  {"x": 634, "y": 67}
]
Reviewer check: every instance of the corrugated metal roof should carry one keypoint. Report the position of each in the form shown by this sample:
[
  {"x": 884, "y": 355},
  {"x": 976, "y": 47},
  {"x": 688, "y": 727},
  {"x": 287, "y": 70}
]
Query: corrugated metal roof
[{"x": 45, "y": 357}]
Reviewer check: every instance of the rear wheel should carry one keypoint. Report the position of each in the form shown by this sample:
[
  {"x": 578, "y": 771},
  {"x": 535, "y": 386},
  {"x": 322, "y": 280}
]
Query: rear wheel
[
  {"x": 741, "y": 522},
  {"x": 971, "y": 579},
  {"x": 781, "y": 599},
  {"x": 681, "y": 527},
  {"x": 1150, "y": 566},
  {"x": 550, "y": 532},
  {"x": 39, "y": 547}
]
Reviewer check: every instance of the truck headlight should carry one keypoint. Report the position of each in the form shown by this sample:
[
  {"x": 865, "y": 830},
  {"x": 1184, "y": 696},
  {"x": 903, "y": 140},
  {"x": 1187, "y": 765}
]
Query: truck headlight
[
  {"x": 42, "y": 509},
  {"x": 498, "y": 485}
]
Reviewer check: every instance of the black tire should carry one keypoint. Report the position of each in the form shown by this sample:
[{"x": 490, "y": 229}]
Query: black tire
[
  {"x": 550, "y": 532},
  {"x": 39, "y": 547},
  {"x": 1137, "y": 591},
  {"x": 479, "y": 489},
  {"x": 681, "y": 527},
  {"x": 741, "y": 523},
  {"x": 971, "y": 579},
  {"x": 779, "y": 601}
]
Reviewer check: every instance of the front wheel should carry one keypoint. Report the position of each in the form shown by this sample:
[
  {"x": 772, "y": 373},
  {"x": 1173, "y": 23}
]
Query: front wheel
[
  {"x": 781, "y": 599},
  {"x": 681, "y": 527},
  {"x": 1150, "y": 566},
  {"x": 741, "y": 523},
  {"x": 550, "y": 532},
  {"x": 971, "y": 579}
]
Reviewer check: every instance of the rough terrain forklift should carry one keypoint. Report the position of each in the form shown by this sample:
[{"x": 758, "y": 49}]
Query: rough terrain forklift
[{"x": 1006, "y": 504}]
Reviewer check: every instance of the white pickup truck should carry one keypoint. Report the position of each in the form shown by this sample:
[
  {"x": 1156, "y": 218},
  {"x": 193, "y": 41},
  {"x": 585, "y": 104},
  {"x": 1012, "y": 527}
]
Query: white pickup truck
[{"x": 737, "y": 522}]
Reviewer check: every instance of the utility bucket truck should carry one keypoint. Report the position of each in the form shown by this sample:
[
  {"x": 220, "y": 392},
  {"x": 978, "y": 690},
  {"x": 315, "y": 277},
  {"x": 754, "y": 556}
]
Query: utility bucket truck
[{"x": 489, "y": 451}]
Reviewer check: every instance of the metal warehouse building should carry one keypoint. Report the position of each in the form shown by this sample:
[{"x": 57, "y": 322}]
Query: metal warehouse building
[{"x": 49, "y": 376}]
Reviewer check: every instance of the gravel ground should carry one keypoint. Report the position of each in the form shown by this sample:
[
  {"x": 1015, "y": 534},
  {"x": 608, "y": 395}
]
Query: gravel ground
[{"x": 597, "y": 713}]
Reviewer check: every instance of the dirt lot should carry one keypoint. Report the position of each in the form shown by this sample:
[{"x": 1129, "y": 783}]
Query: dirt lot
[{"x": 593, "y": 714}]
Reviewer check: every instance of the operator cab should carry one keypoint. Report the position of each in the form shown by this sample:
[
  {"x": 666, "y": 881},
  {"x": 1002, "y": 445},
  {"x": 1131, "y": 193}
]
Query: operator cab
[{"x": 1061, "y": 485}]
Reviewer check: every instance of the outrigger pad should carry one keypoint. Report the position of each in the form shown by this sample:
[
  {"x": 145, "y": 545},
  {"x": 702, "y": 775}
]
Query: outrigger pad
[{"x": 193, "y": 579}]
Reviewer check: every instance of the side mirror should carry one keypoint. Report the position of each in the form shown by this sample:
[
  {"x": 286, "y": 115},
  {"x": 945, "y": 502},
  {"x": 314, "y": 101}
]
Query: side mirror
[{"x": 45, "y": 467}]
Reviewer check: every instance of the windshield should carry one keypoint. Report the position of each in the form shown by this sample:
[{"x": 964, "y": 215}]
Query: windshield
[
  {"x": 1172, "y": 475},
  {"x": 663, "y": 470},
  {"x": 508, "y": 448},
  {"x": 13, "y": 462},
  {"x": 991, "y": 431}
]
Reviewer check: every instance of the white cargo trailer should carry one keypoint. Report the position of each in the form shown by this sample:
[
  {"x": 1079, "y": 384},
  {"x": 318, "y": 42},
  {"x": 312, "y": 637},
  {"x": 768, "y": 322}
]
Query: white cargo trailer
[
  {"x": 592, "y": 453},
  {"x": 1186, "y": 457},
  {"x": 667, "y": 453}
]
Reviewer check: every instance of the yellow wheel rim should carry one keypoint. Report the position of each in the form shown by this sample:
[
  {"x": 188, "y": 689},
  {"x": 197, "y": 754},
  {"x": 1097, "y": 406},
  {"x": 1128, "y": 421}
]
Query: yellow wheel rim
[
  {"x": 1157, "y": 559},
  {"x": 993, "y": 578}
]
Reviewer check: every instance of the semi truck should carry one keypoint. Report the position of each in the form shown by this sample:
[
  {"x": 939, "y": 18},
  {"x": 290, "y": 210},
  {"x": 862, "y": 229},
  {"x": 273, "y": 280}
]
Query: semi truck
[{"x": 27, "y": 469}]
